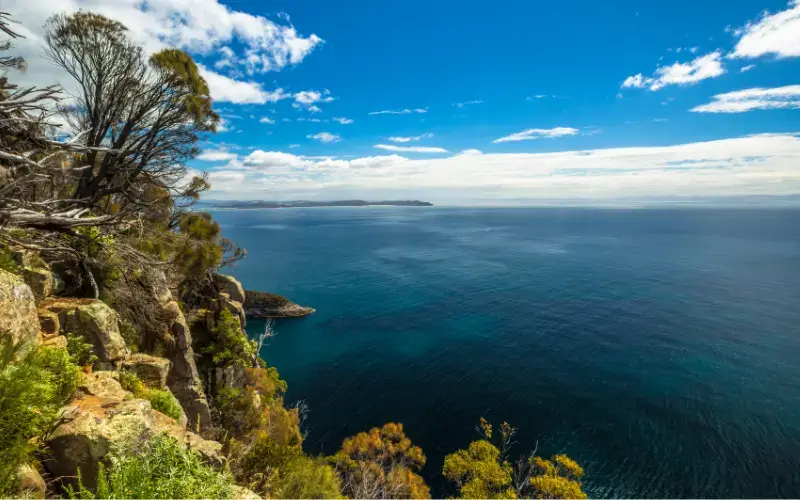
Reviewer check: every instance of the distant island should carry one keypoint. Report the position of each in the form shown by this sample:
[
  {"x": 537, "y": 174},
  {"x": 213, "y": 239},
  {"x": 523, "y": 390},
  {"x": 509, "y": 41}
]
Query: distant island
[{"x": 305, "y": 204}]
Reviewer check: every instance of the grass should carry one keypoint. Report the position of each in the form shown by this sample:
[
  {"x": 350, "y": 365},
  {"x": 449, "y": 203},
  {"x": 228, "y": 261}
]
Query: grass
[{"x": 160, "y": 399}]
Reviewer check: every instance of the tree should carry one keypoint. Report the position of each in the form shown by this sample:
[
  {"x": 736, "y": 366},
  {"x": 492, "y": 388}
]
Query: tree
[
  {"x": 381, "y": 463},
  {"x": 483, "y": 470}
]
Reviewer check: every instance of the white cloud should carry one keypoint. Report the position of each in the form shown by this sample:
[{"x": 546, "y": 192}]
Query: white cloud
[
  {"x": 700, "y": 68},
  {"x": 309, "y": 97},
  {"x": 754, "y": 165},
  {"x": 266, "y": 119},
  {"x": 225, "y": 89},
  {"x": 466, "y": 103},
  {"x": 410, "y": 149},
  {"x": 776, "y": 34},
  {"x": 399, "y": 111},
  {"x": 471, "y": 152},
  {"x": 744, "y": 69},
  {"x": 410, "y": 138},
  {"x": 216, "y": 155},
  {"x": 201, "y": 27},
  {"x": 343, "y": 120},
  {"x": 325, "y": 137},
  {"x": 538, "y": 133},
  {"x": 538, "y": 96},
  {"x": 740, "y": 101}
]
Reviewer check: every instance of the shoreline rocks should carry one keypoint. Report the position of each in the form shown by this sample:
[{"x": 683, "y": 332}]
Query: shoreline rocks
[{"x": 264, "y": 305}]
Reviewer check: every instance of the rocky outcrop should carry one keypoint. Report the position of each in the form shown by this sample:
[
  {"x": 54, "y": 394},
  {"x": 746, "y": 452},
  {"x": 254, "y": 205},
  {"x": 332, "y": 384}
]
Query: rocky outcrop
[
  {"x": 104, "y": 385},
  {"x": 91, "y": 426},
  {"x": 231, "y": 286},
  {"x": 38, "y": 274},
  {"x": 235, "y": 308},
  {"x": 18, "y": 318},
  {"x": 151, "y": 370},
  {"x": 92, "y": 319},
  {"x": 269, "y": 305},
  {"x": 183, "y": 378}
]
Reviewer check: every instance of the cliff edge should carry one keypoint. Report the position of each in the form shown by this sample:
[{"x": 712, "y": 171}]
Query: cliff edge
[{"x": 269, "y": 305}]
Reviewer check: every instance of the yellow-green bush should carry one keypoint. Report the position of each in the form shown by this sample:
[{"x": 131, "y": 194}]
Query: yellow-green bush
[{"x": 160, "y": 399}]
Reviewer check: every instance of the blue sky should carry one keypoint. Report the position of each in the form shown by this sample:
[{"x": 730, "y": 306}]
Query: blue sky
[{"x": 491, "y": 101}]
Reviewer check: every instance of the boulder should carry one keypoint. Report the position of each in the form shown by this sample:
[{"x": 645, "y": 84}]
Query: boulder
[
  {"x": 242, "y": 493},
  {"x": 151, "y": 370},
  {"x": 18, "y": 318},
  {"x": 92, "y": 319},
  {"x": 58, "y": 341},
  {"x": 30, "y": 483},
  {"x": 236, "y": 308},
  {"x": 231, "y": 286},
  {"x": 92, "y": 426},
  {"x": 40, "y": 280},
  {"x": 105, "y": 385}
]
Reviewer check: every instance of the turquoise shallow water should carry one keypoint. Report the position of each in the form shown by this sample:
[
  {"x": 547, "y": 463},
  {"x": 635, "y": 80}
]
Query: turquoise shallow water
[{"x": 659, "y": 348}]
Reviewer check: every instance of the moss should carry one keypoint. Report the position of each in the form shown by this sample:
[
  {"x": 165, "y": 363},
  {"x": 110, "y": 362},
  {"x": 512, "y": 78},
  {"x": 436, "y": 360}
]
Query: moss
[{"x": 7, "y": 260}]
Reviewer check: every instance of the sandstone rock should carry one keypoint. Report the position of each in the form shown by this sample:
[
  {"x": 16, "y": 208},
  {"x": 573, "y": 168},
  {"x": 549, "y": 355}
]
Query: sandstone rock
[
  {"x": 242, "y": 493},
  {"x": 94, "y": 320},
  {"x": 105, "y": 385},
  {"x": 18, "y": 318},
  {"x": 236, "y": 308},
  {"x": 231, "y": 286},
  {"x": 58, "y": 341},
  {"x": 30, "y": 483},
  {"x": 151, "y": 370},
  {"x": 40, "y": 280},
  {"x": 92, "y": 426}
]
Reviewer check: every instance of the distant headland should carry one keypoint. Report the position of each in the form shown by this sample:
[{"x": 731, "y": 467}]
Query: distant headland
[{"x": 307, "y": 204}]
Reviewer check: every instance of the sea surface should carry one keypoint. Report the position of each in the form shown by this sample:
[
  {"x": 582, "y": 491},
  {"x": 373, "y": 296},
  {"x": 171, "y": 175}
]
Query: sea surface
[{"x": 658, "y": 347}]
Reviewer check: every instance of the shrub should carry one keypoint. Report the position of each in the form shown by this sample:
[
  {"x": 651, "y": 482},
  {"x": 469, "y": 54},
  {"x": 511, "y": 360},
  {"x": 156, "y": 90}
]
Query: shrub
[
  {"x": 163, "y": 469},
  {"x": 305, "y": 477},
  {"x": 7, "y": 260},
  {"x": 230, "y": 345},
  {"x": 80, "y": 351},
  {"x": 32, "y": 389},
  {"x": 160, "y": 399}
]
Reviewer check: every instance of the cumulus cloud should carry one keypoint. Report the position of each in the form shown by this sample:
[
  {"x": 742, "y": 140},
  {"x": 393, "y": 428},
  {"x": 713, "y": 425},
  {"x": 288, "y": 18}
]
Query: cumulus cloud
[
  {"x": 266, "y": 119},
  {"x": 399, "y": 111},
  {"x": 754, "y": 165},
  {"x": 774, "y": 34},
  {"x": 538, "y": 133},
  {"x": 309, "y": 97},
  {"x": 696, "y": 70},
  {"x": 216, "y": 155},
  {"x": 201, "y": 27},
  {"x": 410, "y": 149},
  {"x": 325, "y": 137},
  {"x": 343, "y": 120},
  {"x": 741, "y": 101},
  {"x": 397, "y": 138}
]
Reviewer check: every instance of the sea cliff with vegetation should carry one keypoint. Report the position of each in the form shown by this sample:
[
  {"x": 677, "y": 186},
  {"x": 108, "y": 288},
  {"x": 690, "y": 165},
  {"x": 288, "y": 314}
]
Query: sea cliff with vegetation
[{"x": 125, "y": 371}]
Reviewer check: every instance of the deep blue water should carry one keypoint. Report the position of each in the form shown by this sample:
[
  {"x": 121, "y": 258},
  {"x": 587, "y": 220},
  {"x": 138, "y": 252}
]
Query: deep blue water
[{"x": 659, "y": 348}]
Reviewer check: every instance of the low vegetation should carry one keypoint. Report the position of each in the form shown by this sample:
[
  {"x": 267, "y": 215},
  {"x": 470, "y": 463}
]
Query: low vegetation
[
  {"x": 32, "y": 389},
  {"x": 160, "y": 399}
]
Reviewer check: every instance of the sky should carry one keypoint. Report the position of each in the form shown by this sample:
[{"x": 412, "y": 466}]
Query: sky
[{"x": 475, "y": 102}]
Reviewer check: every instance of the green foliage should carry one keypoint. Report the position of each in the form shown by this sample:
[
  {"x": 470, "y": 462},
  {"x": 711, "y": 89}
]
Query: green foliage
[
  {"x": 7, "y": 260},
  {"x": 32, "y": 389},
  {"x": 482, "y": 471},
  {"x": 163, "y": 469},
  {"x": 160, "y": 399},
  {"x": 130, "y": 334},
  {"x": 80, "y": 351},
  {"x": 183, "y": 73},
  {"x": 230, "y": 345},
  {"x": 305, "y": 477}
]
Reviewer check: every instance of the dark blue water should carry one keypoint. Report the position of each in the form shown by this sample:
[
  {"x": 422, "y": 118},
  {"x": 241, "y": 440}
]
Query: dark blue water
[{"x": 659, "y": 348}]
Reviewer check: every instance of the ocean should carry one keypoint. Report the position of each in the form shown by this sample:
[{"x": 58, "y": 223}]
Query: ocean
[{"x": 660, "y": 348}]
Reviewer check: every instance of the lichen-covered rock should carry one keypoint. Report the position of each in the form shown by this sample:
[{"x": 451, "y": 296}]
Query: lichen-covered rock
[
  {"x": 92, "y": 319},
  {"x": 103, "y": 384},
  {"x": 90, "y": 427},
  {"x": 151, "y": 370},
  {"x": 18, "y": 318},
  {"x": 40, "y": 280},
  {"x": 235, "y": 308},
  {"x": 57, "y": 341},
  {"x": 242, "y": 493},
  {"x": 231, "y": 286},
  {"x": 270, "y": 305},
  {"x": 30, "y": 483}
]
